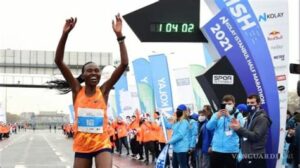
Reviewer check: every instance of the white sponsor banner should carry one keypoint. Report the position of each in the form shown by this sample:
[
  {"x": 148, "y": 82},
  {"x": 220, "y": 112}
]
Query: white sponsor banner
[
  {"x": 2, "y": 113},
  {"x": 184, "y": 87},
  {"x": 135, "y": 103},
  {"x": 111, "y": 105},
  {"x": 273, "y": 18},
  {"x": 126, "y": 104}
]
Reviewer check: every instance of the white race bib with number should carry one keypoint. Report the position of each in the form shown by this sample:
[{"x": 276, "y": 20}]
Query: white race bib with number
[{"x": 90, "y": 120}]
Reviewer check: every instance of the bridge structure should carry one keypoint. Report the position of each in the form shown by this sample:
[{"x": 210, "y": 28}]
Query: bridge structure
[{"x": 33, "y": 68}]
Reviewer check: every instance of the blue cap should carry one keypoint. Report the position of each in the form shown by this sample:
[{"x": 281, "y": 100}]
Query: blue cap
[
  {"x": 195, "y": 116},
  {"x": 242, "y": 108},
  {"x": 182, "y": 107}
]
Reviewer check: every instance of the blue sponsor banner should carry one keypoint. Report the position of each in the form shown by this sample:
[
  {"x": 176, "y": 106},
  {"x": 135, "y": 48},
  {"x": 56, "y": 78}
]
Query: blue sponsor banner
[
  {"x": 120, "y": 86},
  {"x": 162, "y": 158},
  {"x": 235, "y": 33},
  {"x": 161, "y": 83},
  {"x": 144, "y": 83},
  {"x": 207, "y": 56}
]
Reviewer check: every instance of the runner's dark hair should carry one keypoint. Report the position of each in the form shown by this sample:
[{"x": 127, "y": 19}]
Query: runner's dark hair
[{"x": 62, "y": 85}]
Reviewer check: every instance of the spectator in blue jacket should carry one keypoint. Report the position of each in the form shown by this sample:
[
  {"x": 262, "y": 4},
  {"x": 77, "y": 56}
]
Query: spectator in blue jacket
[
  {"x": 203, "y": 146},
  {"x": 180, "y": 139},
  {"x": 193, "y": 135},
  {"x": 243, "y": 109},
  {"x": 225, "y": 143}
]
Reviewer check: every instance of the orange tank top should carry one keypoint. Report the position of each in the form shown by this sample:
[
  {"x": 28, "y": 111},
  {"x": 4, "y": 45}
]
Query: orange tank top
[{"x": 84, "y": 141}]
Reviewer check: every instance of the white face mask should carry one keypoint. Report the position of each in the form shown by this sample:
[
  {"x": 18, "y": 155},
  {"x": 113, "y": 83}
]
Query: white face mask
[
  {"x": 229, "y": 108},
  {"x": 201, "y": 118}
]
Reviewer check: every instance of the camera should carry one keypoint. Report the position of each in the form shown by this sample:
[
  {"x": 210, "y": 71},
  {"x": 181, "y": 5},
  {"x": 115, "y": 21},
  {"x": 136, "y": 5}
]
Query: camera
[
  {"x": 223, "y": 106},
  {"x": 295, "y": 69}
]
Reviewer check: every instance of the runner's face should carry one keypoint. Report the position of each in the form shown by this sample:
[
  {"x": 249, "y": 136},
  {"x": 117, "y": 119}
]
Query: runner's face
[{"x": 92, "y": 74}]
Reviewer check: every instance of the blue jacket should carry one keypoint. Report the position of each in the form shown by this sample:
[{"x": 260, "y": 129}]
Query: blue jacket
[
  {"x": 206, "y": 136},
  {"x": 225, "y": 140},
  {"x": 193, "y": 133},
  {"x": 180, "y": 140}
]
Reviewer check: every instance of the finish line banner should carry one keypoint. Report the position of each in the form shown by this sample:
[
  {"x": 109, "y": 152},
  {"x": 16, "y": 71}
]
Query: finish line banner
[{"x": 236, "y": 34}]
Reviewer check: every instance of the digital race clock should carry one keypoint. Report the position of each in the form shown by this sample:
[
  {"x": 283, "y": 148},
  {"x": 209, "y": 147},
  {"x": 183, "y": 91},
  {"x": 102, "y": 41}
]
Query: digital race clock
[
  {"x": 170, "y": 27},
  {"x": 167, "y": 21}
]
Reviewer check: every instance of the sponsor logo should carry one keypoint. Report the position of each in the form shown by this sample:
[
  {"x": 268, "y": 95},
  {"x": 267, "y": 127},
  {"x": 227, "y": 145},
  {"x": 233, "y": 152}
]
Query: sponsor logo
[
  {"x": 279, "y": 57},
  {"x": 281, "y": 78},
  {"x": 183, "y": 81},
  {"x": 127, "y": 108},
  {"x": 223, "y": 79},
  {"x": 276, "y": 47},
  {"x": 274, "y": 35},
  {"x": 280, "y": 67},
  {"x": 266, "y": 16},
  {"x": 281, "y": 88}
]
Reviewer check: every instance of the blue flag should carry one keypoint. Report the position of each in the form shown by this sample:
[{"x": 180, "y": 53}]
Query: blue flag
[
  {"x": 161, "y": 83},
  {"x": 120, "y": 86},
  {"x": 144, "y": 83},
  {"x": 162, "y": 158}
]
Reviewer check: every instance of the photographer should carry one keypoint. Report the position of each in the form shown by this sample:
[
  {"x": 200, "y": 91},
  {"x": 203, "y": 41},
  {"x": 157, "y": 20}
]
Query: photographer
[{"x": 225, "y": 143}]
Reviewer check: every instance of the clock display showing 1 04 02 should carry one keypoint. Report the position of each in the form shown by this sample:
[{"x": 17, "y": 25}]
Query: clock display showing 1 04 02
[{"x": 170, "y": 27}]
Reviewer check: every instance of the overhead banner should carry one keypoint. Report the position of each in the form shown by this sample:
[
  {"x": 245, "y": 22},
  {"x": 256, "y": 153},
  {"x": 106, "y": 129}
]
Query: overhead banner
[
  {"x": 161, "y": 83},
  {"x": 143, "y": 78},
  {"x": 120, "y": 86},
  {"x": 199, "y": 95},
  {"x": 184, "y": 87},
  {"x": 236, "y": 34}
]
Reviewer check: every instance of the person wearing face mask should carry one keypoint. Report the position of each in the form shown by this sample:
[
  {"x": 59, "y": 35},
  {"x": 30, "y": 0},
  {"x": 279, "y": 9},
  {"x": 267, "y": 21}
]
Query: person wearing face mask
[
  {"x": 180, "y": 139},
  {"x": 133, "y": 137},
  {"x": 291, "y": 123},
  {"x": 193, "y": 135},
  {"x": 148, "y": 138},
  {"x": 122, "y": 131},
  {"x": 225, "y": 142},
  {"x": 253, "y": 134},
  {"x": 203, "y": 145}
]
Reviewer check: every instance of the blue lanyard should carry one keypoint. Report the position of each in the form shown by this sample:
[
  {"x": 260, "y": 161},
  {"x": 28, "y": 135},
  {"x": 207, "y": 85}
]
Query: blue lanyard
[{"x": 225, "y": 125}]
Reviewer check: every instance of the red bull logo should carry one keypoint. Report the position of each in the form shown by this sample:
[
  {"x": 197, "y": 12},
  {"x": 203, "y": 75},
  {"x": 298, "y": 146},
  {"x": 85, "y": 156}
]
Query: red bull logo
[
  {"x": 280, "y": 77},
  {"x": 275, "y": 35}
]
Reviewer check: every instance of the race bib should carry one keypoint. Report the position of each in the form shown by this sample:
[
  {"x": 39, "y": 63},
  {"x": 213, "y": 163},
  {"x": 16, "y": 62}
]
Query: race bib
[{"x": 90, "y": 120}]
